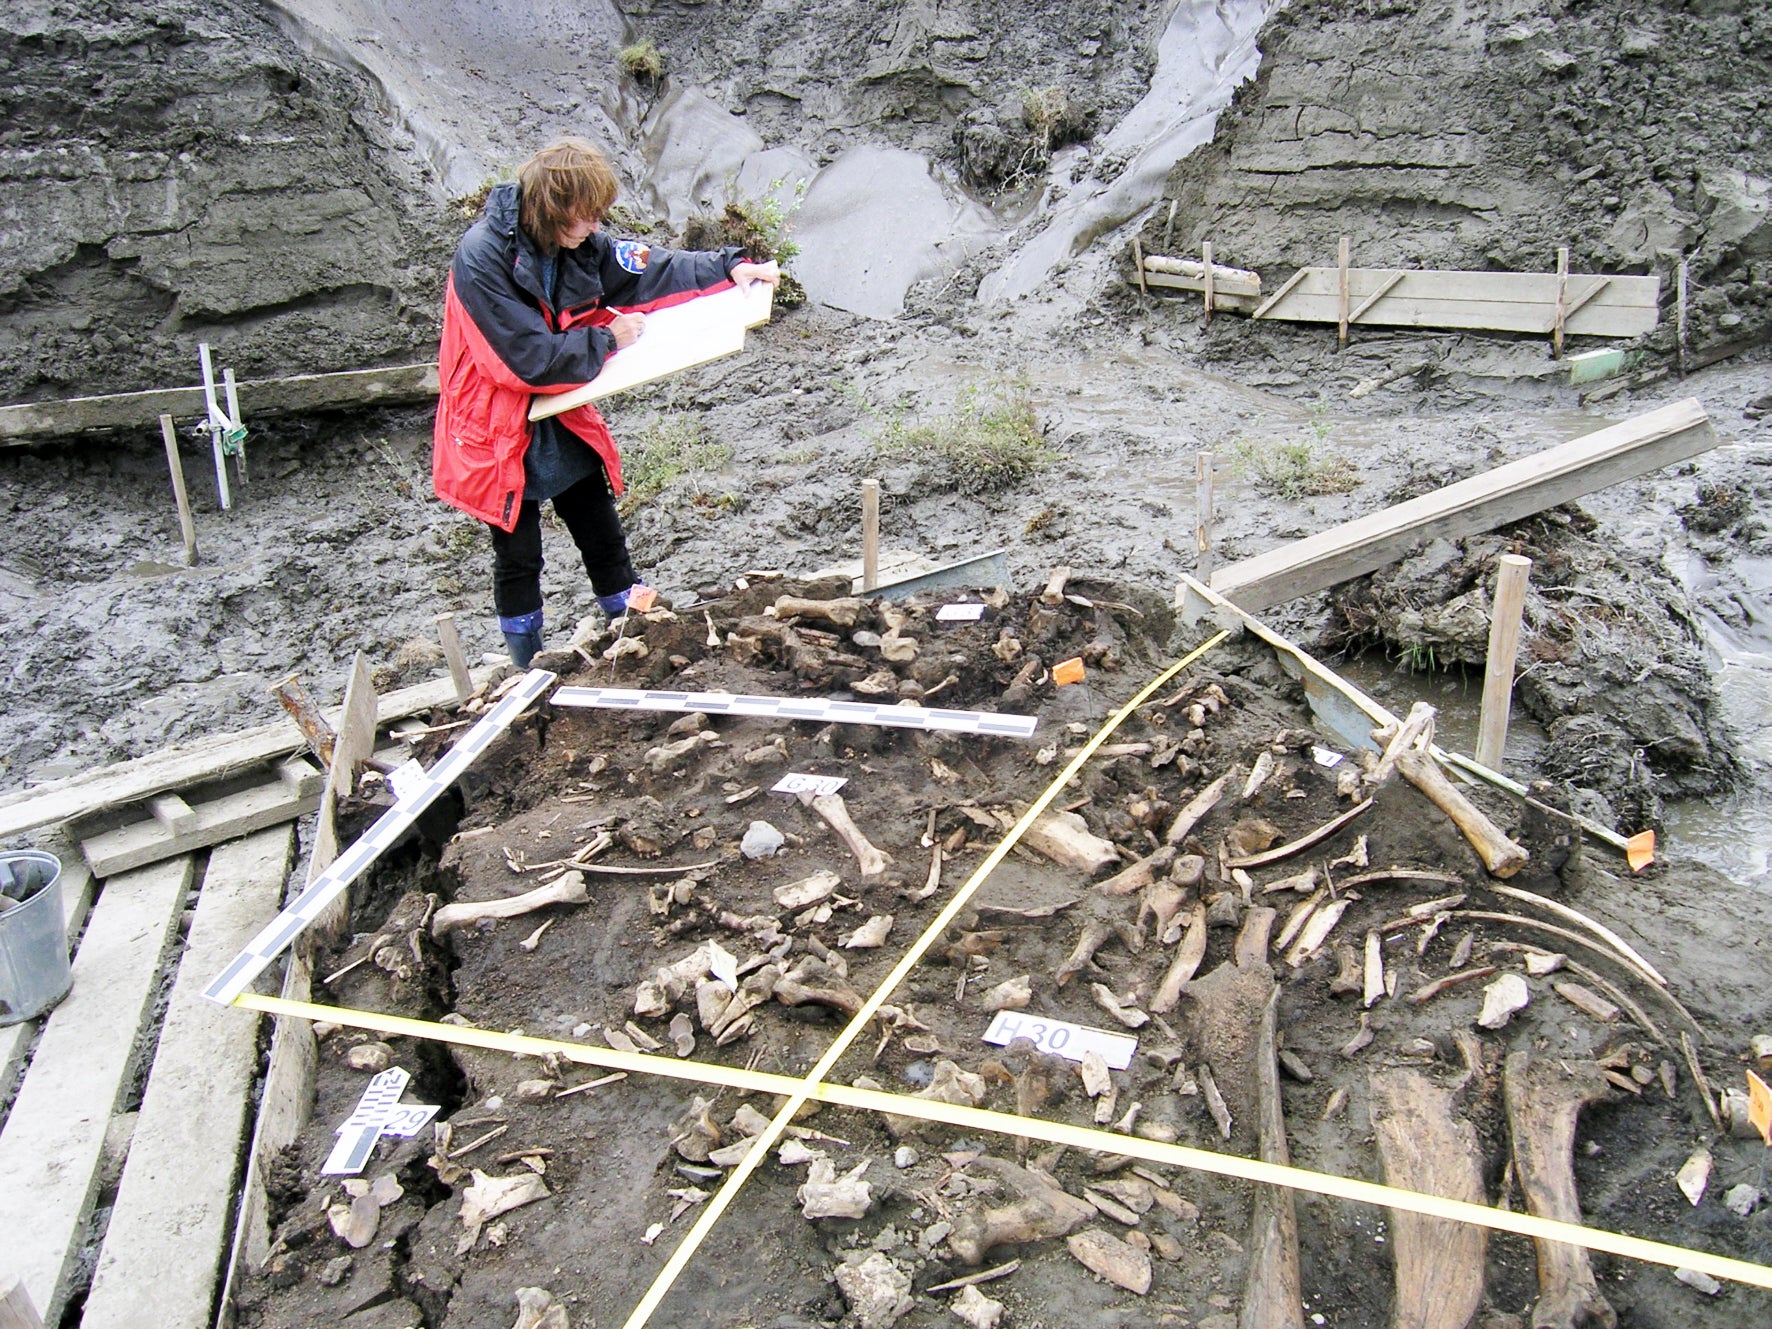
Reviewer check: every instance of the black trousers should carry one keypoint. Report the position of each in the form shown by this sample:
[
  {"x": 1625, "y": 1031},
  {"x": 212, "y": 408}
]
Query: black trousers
[{"x": 588, "y": 511}]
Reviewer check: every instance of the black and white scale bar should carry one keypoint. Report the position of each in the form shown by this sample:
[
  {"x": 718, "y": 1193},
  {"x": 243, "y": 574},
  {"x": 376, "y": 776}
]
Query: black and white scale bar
[
  {"x": 802, "y": 708},
  {"x": 300, "y": 912}
]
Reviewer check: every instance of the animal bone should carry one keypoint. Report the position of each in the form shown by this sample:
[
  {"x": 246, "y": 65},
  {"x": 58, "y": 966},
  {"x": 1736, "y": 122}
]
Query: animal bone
[
  {"x": 1136, "y": 876},
  {"x": 567, "y": 889},
  {"x": 1163, "y": 902},
  {"x": 1197, "y": 807},
  {"x": 1316, "y": 932},
  {"x": 1544, "y": 1097},
  {"x": 1130, "y": 1016},
  {"x": 843, "y": 611},
  {"x": 1064, "y": 838},
  {"x": 830, "y": 806},
  {"x": 1186, "y": 962},
  {"x": 1500, "y": 855},
  {"x": 1041, "y": 1210}
]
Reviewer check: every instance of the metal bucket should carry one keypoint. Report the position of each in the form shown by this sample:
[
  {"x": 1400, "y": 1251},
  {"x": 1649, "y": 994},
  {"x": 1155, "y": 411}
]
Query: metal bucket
[{"x": 34, "y": 970}]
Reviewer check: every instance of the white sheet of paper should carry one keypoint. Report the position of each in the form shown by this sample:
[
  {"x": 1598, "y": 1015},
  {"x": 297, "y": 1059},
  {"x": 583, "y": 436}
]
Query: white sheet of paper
[
  {"x": 676, "y": 338},
  {"x": 1061, "y": 1038},
  {"x": 960, "y": 612}
]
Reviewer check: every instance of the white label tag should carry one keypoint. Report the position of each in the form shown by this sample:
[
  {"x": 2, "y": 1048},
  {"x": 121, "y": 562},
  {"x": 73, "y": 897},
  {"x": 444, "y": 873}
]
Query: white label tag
[
  {"x": 963, "y": 612},
  {"x": 1325, "y": 756},
  {"x": 817, "y": 785},
  {"x": 1061, "y": 1038},
  {"x": 407, "y": 779}
]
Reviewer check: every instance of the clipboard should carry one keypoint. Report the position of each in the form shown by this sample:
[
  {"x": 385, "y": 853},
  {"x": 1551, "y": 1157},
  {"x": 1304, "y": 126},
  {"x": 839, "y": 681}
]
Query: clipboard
[{"x": 676, "y": 338}]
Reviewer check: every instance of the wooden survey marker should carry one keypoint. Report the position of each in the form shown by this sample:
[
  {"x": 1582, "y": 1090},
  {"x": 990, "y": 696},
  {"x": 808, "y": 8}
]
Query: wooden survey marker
[{"x": 676, "y": 338}]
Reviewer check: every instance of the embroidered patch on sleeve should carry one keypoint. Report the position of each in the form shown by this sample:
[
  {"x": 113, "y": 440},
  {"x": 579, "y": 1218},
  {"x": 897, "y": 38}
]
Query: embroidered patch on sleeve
[{"x": 632, "y": 255}]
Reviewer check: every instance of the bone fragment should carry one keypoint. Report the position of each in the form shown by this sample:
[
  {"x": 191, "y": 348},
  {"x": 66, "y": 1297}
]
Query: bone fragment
[
  {"x": 1500, "y": 855},
  {"x": 1544, "y": 1097},
  {"x": 1187, "y": 960},
  {"x": 1588, "y": 1003},
  {"x": 830, "y": 806},
  {"x": 1130, "y": 1016},
  {"x": 1362, "y": 1036},
  {"x": 1012, "y": 994},
  {"x": 1302, "y": 843},
  {"x": 1348, "y": 978},
  {"x": 826, "y": 1195},
  {"x": 567, "y": 889},
  {"x": 1300, "y": 915},
  {"x": 1273, "y": 1288},
  {"x": 1094, "y": 1072},
  {"x": 1215, "y": 1103},
  {"x": 1258, "y": 775},
  {"x": 1418, "y": 726},
  {"x": 1041, "y": 1210},
  {"x": 1121, "y": 1264},
  {"x": 489, "y": 1197},
  {"x": 1253, "y": 937},
  {"x": 537, "y": 1309},
  {"x": 682, "y": 1034},
  {"x": 1312, "y": 936},
  {"x": 975, "y": 1310},
  {"x": 1303, "y": 882},
  {"x": 1426, "y": 1146},
  {"x": 1163, "y": 901},
  {"x": 1428, "y": 991},
  {"x": 1064, "y": 838},
  {"x": 1197, "y": 807},
  {"x": 808, "y": 890},
  {"x": 1136, "y": 876},
  {"x": 870, "y": 935},
  {"x": 1540, "y": 963},
  {"x": 843, "y": 611},
  {"x": 1694, "y": 1176}
]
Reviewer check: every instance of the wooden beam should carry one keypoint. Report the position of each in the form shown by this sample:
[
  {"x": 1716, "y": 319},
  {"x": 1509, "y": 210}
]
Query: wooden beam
[
  {"x": 284, "y": 798},
  {"x": 215, "y": 758},
  {"x": 1504, "y": 646},
  {"x": 53, "y": 1144},
  {"x": 259, "y": 397},
  {"x": 454, "y": 656},
  {"x": 187, "y": 527},
  {"x": 16, "y": 1308},
  {"x": 1618, "y": 452},
  {"x": 168, "y": 1227},
  {"x": 1390, "y": 284}
]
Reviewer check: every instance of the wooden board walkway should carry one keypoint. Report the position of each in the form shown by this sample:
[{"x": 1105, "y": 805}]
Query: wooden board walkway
[
  {"x": 193, "y": 763},
  {"x": 1594, "y": 304},
  {"x": 259, "y": 397},
  {"x": 168, "y": 1228},
  {"x": 1618, "y": 452},
  {"x": 53, "y": 1143}
]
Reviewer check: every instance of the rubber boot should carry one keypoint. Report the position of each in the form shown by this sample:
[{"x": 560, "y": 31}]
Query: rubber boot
[
  {"x": 522, "y": 637},
  {"x": 616, "y": 605}
]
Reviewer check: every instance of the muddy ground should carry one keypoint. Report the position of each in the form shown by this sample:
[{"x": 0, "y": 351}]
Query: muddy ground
[
  {"x": 678, "y": 794},
  {"x": 161, "y": 173}
]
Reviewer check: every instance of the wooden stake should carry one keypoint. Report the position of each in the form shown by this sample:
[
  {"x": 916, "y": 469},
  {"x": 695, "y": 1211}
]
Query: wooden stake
[
  {"x": 1680, "y": 317},
  {"x": 187, "y": 528},
  {"x": 1138, "y": 265},
  {"x": 452, "y": 652},
  {"x": 1206, "y": 262},
  {"x": 1504, "y": 645},
  {"x": 1562, "y": 301},
  {"x": 16, "y": 1309},
  {"x": 870, "y": 534},
  {"x": 1203, "y": 516},
  {"x": 1169, "y": 226},
  {"x": 1341, "y": 263},
  {"x": 321, "y": 736}
]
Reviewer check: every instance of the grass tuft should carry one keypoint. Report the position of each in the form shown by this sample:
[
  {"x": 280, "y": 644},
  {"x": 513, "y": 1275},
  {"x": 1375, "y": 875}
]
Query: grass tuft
[
  {"x": 672, "y": 449},
  {"x": 992, "y": 440}
]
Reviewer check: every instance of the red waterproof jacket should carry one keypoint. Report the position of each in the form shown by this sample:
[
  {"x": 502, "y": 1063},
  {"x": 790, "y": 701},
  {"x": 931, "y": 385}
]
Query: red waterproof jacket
[{"x": 503, "y": 342}]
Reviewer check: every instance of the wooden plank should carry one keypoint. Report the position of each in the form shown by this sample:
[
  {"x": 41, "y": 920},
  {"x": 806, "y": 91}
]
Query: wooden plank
[
  {"x": 172, "y": 812},
  {"x": 356, "y": 743},
  {"x": 1620, "y": 306},
  {"x": 1220, "y": 299},
  {"x": 1568, "y": 471},
  {"x": 224, "y": 818},
  {"x": 167, "y": 1231},
  {"x": 76, "y": 890},
  {"x": 207, "y": 759},
  {"x": 1390, "y": 285},
  {"x": 259, "y": 397},
  {"x": 54, "y": 1138}
]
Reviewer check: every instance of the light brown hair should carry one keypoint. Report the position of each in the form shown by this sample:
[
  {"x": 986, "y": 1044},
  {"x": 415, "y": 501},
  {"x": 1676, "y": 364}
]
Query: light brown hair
[{"x": 566, "y": 182}]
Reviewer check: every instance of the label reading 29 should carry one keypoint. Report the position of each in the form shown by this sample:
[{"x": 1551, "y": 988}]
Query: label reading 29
[{"x": 1061, "y": 1038}]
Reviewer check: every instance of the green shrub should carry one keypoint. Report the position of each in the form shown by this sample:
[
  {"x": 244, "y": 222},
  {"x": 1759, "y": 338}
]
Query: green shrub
[
  {"x": 1293, "y": 468},
  {"x": 643, "y": 62},
  {"x": 991, "y": 441},
  {"x": 674, "y": 448},
  {"x": 761, "y": 227}
]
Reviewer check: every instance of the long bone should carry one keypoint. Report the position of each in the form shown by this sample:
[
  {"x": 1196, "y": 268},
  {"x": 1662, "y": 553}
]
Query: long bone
[
  {"x": 830, "y": 806},
  {"x": 569, "y": 888}
]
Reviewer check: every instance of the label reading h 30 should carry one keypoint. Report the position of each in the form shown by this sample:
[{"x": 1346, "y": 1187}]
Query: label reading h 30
[{"x": 1061, "y": 1038}]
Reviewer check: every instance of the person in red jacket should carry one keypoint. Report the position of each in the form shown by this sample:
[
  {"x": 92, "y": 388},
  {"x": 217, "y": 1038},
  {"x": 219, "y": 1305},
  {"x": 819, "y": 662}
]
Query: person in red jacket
[{"x": 537, "y": 299}]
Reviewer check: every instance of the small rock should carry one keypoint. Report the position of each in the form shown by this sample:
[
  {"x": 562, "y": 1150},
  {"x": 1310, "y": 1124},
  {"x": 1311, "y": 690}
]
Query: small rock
[
  {"x": 371, "y": 1057},
  {"x": 533, "y": 1091},
  {"x": 877, "y": 1290},
  {"x": 904, "y": 1156},
  {"x": 1166, "y": 1246},
  {"x": 1699, "y": 1282},
  {"x": 1742, "y": 1199},
  {"x": 333, "y": 1272},
  {"x": 973, "y": 1308},
  {"x": 761, "y": 841}
]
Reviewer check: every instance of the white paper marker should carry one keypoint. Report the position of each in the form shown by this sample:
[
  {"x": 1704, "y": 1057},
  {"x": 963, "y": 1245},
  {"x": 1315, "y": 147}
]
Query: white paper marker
[
  {"x": 1061, "y": 1038},
  {"x": 794, "y": 782},
  {"x": 961, "y": 612}
]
